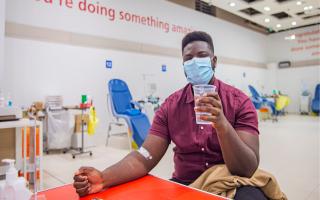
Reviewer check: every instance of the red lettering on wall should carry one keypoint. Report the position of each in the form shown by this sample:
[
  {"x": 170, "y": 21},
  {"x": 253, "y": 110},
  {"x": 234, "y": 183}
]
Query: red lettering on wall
[
  {"x": 307, "y": 41},
  {"x": 97, "y": 8},
  {"x": 317, "y": 53},
  {"x": 302, "y": 41},
  {"x": 67, "y": 3},
  {"x": 295, "y": 49}
]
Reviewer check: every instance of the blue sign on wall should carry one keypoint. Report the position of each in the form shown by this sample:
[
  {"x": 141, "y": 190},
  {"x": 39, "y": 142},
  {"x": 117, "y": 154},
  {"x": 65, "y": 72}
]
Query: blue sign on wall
[
  {"x": 108, "y": 64},
  {"x": 164, "y": 68}
]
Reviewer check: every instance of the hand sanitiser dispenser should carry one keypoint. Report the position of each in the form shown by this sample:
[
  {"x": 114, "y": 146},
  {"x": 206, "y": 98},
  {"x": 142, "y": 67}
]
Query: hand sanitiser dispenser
[{"x": 14, "y": 187}]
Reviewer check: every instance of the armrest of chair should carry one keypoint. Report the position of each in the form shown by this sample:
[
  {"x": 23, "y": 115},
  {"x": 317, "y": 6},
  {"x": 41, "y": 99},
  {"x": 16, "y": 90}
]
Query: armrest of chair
[
  {"x": 136, "y": 104},
  {"x": 258, "y": 99}
]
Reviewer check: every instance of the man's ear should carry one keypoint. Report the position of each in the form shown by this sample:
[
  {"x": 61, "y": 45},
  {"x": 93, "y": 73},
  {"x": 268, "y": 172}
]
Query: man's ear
[{"x": 214, "y": 62}]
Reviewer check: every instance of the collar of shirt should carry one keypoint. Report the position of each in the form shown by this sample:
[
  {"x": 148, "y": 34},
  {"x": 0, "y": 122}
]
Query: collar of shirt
[{"x": 189, "y": 93}]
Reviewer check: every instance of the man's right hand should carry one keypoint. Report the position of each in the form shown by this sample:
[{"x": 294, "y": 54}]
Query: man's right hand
[{"x": 88, "y": 180}]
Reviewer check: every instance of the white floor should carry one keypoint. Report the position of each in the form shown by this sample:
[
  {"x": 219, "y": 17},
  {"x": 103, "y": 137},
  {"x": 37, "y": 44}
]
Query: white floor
[{"x": 289, "y": 149}]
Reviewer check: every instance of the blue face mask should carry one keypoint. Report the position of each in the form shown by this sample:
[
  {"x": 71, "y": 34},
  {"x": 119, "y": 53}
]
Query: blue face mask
[{"x": 198, "y": 70}]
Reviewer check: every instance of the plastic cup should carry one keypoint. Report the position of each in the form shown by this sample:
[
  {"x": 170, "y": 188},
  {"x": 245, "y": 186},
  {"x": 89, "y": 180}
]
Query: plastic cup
[{"x": 199, "y": 91}]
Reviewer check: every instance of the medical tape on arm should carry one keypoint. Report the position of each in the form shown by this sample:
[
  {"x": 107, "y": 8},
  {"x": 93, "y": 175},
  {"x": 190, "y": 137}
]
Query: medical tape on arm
[{"x": 145, "y": 153}]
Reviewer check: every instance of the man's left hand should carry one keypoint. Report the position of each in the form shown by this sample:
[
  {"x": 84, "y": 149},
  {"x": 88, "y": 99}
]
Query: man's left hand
[{"x": 211, "y": 103}]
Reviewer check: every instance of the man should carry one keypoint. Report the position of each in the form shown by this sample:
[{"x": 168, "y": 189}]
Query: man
[{"x": 232, "y": 138}]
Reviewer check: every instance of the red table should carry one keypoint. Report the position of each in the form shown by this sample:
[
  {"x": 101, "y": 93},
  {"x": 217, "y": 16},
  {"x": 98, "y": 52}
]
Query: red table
[{"x": 146, "y": 188}]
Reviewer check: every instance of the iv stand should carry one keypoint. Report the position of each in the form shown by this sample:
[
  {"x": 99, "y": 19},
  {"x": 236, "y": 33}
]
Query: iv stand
[
  {"x": 34, "y": 174},
  {"x": 82, "y": 151},
  {"x": 34, "y": 142}
]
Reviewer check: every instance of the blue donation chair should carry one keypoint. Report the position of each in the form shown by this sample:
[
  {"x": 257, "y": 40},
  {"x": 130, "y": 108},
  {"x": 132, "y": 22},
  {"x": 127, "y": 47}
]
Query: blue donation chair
[
  {"x": 123, "y": 107},
  {"x": 258, "y": 101},
  {"x": 315, "y": 104}
]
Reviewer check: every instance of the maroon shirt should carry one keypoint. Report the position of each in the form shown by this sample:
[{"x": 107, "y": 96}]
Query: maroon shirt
[{"x": 197, "y": 146}]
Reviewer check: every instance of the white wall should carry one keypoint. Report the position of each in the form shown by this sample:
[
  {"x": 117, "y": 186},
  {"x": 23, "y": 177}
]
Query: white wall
[
  {"x": 38, "y": 69},
  {"x": 292, "y": 82},
  {"x": 2, "y": 25},
  {"x": 230, "y": 40},
  {"x": 271, "y": 78},
  {"x": 305, "y": 46},
  {"x": 240, "y": 77}
]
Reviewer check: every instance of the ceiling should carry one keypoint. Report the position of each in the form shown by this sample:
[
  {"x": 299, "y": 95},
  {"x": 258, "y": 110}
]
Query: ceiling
[{"x": 275, "y": 15}]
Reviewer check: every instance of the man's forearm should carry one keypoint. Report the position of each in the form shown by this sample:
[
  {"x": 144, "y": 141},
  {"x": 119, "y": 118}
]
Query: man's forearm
[
  {"x": 135, "y": 165},
  {"x": 240, "y": 159},
  {"x": 129, "y": 168}
]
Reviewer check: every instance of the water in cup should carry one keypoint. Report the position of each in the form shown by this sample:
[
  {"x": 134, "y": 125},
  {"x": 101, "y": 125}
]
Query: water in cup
[{"x": 199, "y": 91}]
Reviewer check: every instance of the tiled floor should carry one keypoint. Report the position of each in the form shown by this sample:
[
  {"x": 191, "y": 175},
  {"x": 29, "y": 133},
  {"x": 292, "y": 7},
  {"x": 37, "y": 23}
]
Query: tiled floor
[{"x": 289, "y": 149}]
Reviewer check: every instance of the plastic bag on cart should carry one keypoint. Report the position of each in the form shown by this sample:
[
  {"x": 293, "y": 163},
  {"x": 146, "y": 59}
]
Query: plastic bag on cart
[
  {"x": 93, "y": 121},
  {"x": 60, "y": 129}
]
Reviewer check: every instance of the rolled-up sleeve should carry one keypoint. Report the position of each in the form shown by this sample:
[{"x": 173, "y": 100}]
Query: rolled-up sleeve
[
  {"x": 246, "y": 118},
  {"x": 159, "y": 125}
]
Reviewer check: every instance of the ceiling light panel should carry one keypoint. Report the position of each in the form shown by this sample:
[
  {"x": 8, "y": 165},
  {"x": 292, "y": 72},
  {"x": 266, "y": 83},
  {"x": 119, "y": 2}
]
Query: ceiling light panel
[{"x": 294, "y": 10}]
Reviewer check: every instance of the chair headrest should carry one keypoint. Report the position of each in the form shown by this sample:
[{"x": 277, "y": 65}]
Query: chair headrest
[
  {"x": 117, "y": 85},
  {"x": 253, "y": 91},
  {"x": 317, "y": 92}
]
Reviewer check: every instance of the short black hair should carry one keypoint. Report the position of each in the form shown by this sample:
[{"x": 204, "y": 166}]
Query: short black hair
[{"x": 197, "y": 36}]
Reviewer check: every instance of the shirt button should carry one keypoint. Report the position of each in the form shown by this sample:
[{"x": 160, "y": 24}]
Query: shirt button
[
  {"x": 201, "y": 127},
  {"x": 207, "y": 164},
  {"x": 202, "y": 149}
]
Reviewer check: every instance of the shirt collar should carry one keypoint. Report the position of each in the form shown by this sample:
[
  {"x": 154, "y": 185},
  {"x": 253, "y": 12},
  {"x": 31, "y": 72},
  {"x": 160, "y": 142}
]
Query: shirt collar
[{"x": 189, "y": 92}]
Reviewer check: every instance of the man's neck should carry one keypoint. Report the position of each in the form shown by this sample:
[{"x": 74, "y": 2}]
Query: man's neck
[{"x": 212, "y": 80}]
